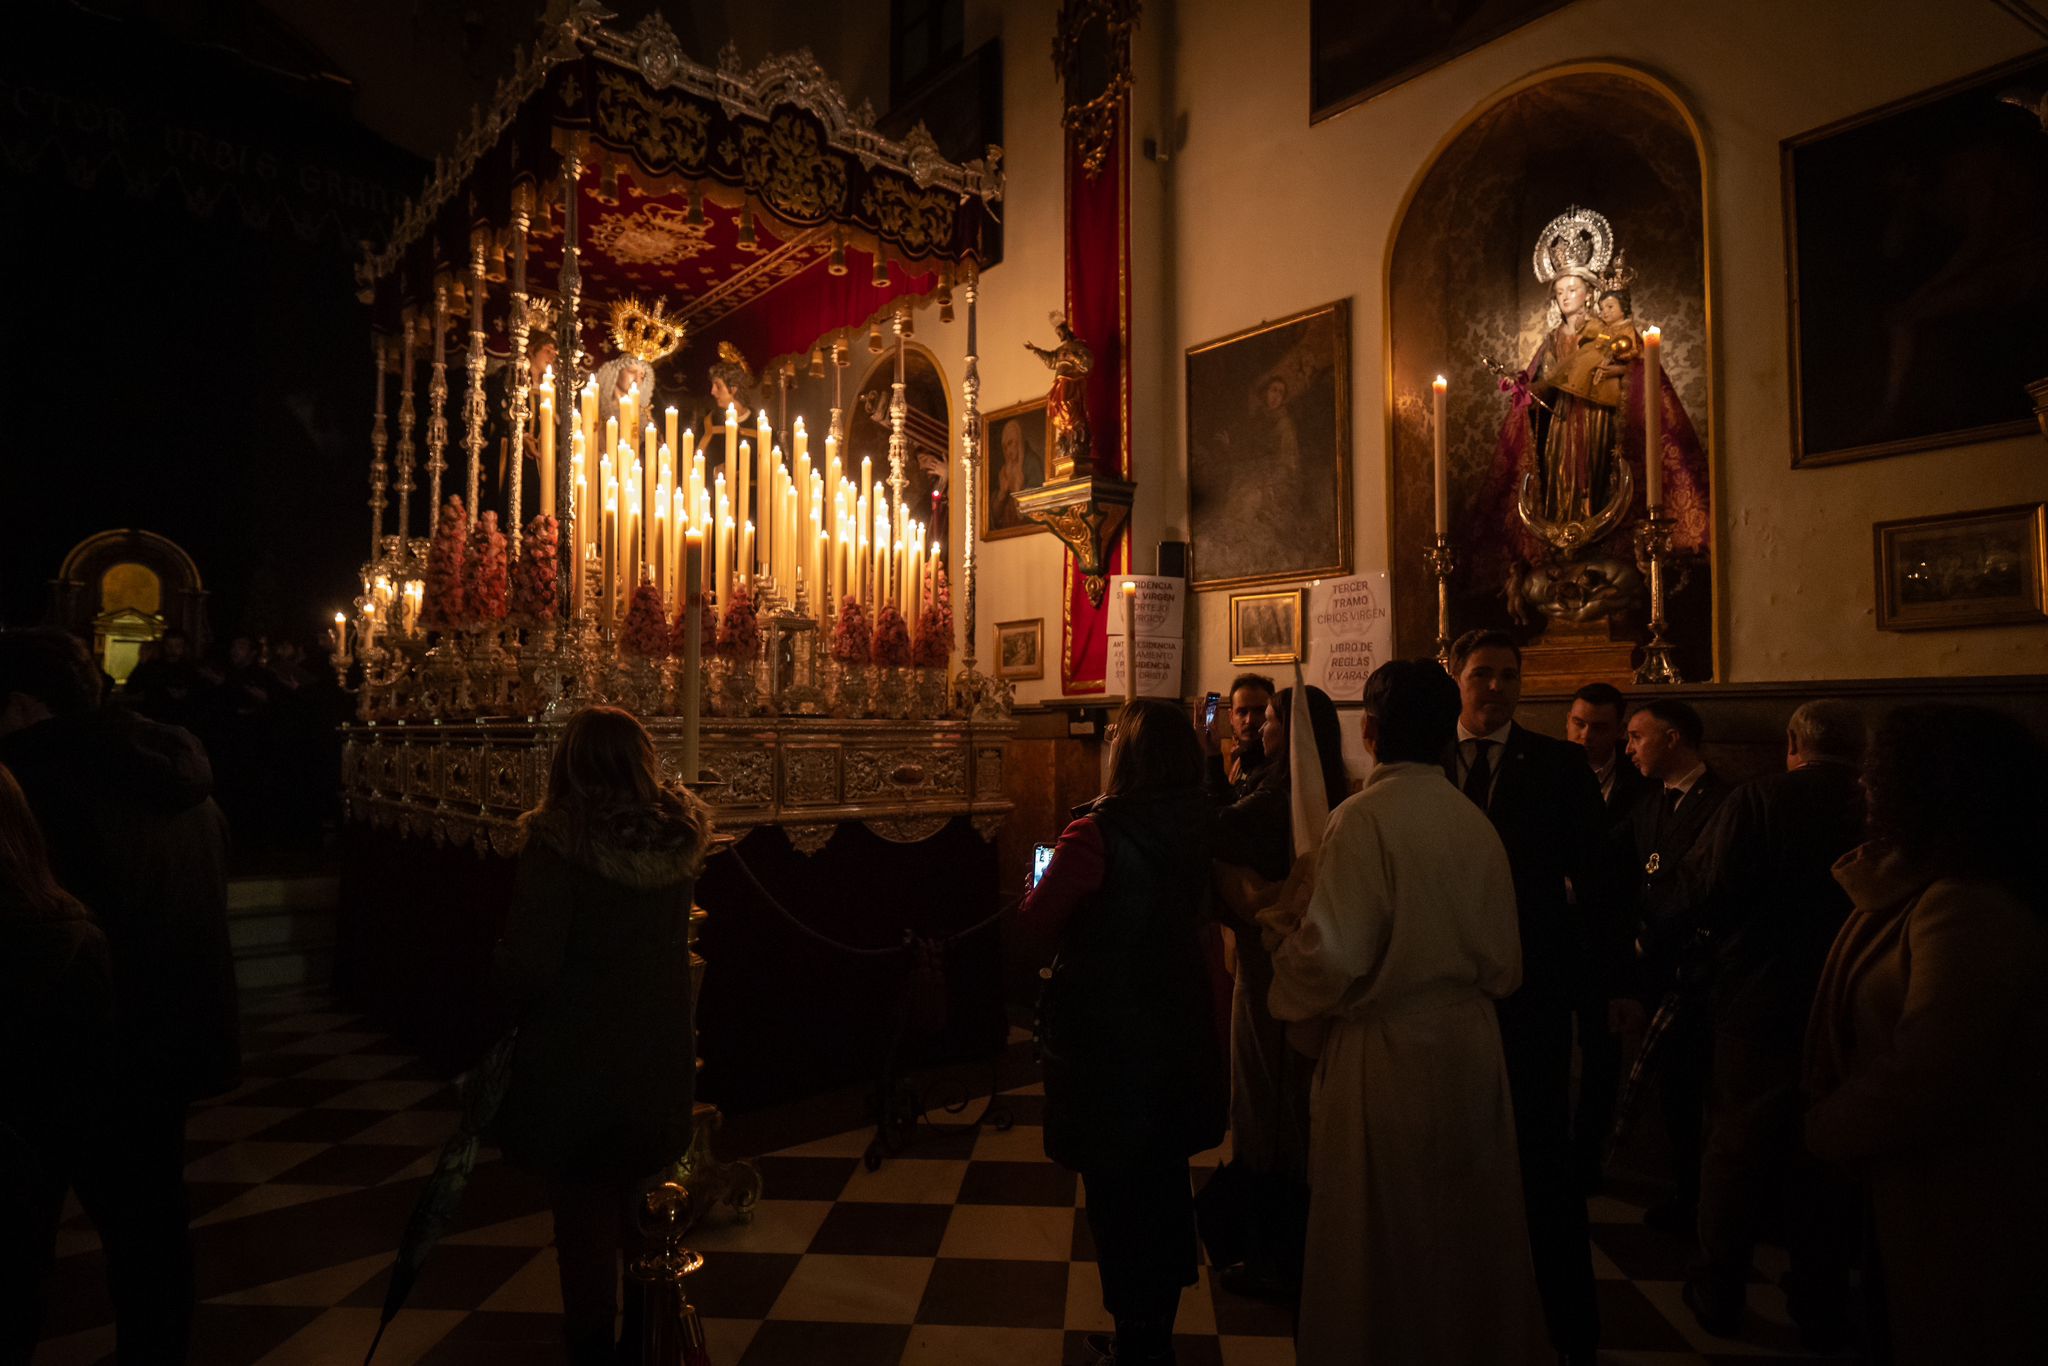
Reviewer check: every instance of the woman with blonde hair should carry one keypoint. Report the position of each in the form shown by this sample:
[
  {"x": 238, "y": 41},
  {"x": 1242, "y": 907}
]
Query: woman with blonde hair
[{"x": 596, "y": 964}]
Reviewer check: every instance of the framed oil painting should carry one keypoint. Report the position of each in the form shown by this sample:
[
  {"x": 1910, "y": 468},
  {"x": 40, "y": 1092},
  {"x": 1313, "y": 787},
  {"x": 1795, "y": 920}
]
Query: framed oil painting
[
  {"x": 1358, "y": 51},
  {"x": 1020, "y": 648},
  {"x": 1017, "y": 439},
  {"x": 1269, "y": 451},
  {"x": 1919, "y": 270},
  {"x": 1963, "y": 569},
  {"x": 1265, "y": 628}
]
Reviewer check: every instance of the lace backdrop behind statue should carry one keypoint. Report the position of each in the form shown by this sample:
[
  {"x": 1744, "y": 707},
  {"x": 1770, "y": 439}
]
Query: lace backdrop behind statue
[{"x": 1461, "y": 287}]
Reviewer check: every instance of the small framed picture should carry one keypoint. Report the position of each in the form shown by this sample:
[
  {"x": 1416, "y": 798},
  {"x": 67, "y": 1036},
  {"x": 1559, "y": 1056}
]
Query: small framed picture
[
  {"x": 1963, "y": 569},
  {"x": 1265, "y": 628},
  {"x": 1015, "y": 442},
  {"x": 1020, "y": 648}
]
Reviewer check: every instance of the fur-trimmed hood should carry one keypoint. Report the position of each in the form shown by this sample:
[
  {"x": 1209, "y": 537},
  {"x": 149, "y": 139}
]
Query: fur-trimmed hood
[{"x": 644, "y": 847}]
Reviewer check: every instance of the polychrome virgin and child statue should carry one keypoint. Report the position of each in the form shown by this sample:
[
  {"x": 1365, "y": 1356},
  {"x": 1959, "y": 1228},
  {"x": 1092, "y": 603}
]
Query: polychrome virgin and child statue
[{"x": 1566, "y": 474}]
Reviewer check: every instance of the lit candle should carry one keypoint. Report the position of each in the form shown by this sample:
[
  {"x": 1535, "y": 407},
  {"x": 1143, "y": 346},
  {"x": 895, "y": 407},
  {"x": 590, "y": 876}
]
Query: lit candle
[
  {"x": 609, "y": 553},
  {"x": 629, "y": 412},
  {"x": 735, "y": 480},
  {"x": 611, "y": 437},
  {"x": 579, "y": 501},
  {"x": 821, "y": 556},
  {"x": 1443, "y": 487},
  {"x": 547, "y": 442},
  {"x": 867, "y": 488},
  {"x": 746, "y": 550},
  {"x": 743, "y": 512},
  {"x": 725, "y": 538},
  {"x": 1653, "y": 418},
  {"x": 766, "y": 514},
  {"x": 1130, "y": 641},
  {"x": 693, "y": 648},
  {"x": 721, "y": 543},
  {"x": 668, "y": 430},
  {"x": 340, "y": 636}
]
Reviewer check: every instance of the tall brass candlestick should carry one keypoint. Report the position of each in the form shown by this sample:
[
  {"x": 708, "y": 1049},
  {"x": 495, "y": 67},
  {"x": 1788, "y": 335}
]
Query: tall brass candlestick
[
  {"x": 1442, "y": 562},
  {"x": 473, "y": 407},
  {"x": 1653, "y": 546}
]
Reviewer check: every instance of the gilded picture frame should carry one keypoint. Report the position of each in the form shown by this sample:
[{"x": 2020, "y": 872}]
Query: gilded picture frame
[
  {"x": 1894, "y": 349},
  {"x": 1983, "y": 568},
  {"x": 1265, "y": 628},
  {"x": 1020, "y": 649},
  {"x": 1269, "y": 451},
  {"x": 1016, "y": 454}
]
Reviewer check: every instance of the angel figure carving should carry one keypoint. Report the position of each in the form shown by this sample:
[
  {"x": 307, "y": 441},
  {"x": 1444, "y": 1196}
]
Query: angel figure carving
[{"x": 1067, "y": 401}]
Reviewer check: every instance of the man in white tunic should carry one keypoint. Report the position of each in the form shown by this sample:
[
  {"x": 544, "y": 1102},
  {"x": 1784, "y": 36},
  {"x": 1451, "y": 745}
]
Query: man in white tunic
[{"x": 1417, "y": 1248}]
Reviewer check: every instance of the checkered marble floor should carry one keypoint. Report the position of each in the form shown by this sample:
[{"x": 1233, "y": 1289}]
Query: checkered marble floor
[{"x": 968, "y": 1248}]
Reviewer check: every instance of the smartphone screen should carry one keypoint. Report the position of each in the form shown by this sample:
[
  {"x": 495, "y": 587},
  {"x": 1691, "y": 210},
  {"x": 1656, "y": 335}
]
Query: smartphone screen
[
  {"x": 1209, "y": 706},
  {"x": 1041, "y": 855}
]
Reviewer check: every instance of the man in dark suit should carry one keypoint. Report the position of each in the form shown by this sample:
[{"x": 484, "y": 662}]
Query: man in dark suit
[
  {"x": 1664, "y": 741},
  {"x": 1544, "y": 804},
  {"x": 1594, "y": 723},
  {"x": 1760, "y": 894}
]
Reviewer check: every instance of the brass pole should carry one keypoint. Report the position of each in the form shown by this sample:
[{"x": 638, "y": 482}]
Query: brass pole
[
  {"x": 521, "y": 393},
  {"x": 970, "y": 459},
  {"x": 379, "y": 440},
  {"x": 569, "y": 361},
  {"x": 437, "y": 403},
  {"x": 473, "y": 404},
  {"x": 406, "y": 459}
]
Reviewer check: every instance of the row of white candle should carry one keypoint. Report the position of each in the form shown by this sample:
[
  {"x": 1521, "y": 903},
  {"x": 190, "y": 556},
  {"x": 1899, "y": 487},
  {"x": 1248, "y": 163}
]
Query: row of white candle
[
  {"x": 818, "y": 527},
  {"x": 1653, "y": 432}
]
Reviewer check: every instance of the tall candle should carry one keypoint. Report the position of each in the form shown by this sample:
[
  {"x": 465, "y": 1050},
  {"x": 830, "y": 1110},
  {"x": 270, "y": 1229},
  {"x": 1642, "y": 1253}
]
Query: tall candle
[
  {"x": 735, "y": 479},
  {"x": 1653, "y": 417},
  {"x": 867, "y": 488},
  {"x": 668, "y": 430},
  {"x": 728, "y": 540},
  {"x": 1442, "y": 475},
  {"x": 581, "y": 503},
  {"x": 610, "y": 551},
  {"x": 743, "y": 512},
  {"x": 693, "y": 649},
  {"x": 821, "y": 559},
  {"x": 629, "y": 413},
  {"x": 547, "y": 441},
  {"x": 746, "y": 551},
  {"x": 1130, "y": 591}
]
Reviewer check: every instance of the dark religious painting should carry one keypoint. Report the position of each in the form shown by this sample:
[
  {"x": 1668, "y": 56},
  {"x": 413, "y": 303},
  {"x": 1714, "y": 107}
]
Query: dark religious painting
[
  {"x": 1013, "y": 459},
  {"x": 927, "y": 428},
  {"x": 1917, "y": 235},
  {"x": 1265, "y": 628},
  {"x": 1963, "y": 569},
  {"x": 1536, "y": 252},
  {"x": 1357, "y": 51},
  {"x": 1269, "y": 451}
]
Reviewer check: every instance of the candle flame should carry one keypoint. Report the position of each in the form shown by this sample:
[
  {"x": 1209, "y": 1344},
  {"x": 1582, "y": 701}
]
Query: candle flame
[{"x": 1441, "y": 383}]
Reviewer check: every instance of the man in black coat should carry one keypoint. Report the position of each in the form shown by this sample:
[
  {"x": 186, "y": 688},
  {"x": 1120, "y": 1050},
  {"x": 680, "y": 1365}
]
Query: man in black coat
[
  {"x": 1594, "y": 723},
  {"x": 1664, "y": 739},
  {"x": 133, "y": 833},
  {"x": 1759, "y": 893},
  {"x": 1545, "y": 806},
  {"x": 1238, "y": 777}
]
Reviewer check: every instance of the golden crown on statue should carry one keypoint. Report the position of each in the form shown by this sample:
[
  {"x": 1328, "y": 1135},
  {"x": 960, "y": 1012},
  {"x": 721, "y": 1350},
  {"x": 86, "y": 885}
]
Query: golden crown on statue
[{"x": 643, "y": 331}]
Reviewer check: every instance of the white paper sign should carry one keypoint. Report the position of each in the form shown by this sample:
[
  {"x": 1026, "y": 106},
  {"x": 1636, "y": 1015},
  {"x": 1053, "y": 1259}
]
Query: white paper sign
[
  {"x": 1159, "y": 662},
  {"x": 1160, "y": 603},
  {"x": 1350, "y": 633}
]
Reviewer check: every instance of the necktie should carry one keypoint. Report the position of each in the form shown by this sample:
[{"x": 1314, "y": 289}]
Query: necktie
[
  {"x": 1479, "y": 777},
  {"x": 1672, "y": 796}
]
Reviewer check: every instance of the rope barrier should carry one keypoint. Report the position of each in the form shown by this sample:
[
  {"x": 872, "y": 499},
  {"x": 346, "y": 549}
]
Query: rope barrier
[{"x": 909, "y": 943}]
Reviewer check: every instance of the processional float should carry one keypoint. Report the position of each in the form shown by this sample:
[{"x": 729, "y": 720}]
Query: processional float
[{"x": 781, "y": 622}]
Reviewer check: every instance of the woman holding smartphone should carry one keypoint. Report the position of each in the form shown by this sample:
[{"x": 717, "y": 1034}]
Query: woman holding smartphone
[{"x": 1128, "y": 1029}]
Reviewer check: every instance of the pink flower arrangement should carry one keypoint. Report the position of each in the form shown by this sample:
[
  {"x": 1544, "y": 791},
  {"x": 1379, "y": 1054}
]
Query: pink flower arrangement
[
  {"x": 892, "y": 638},
  {"x": 850, "y": 639},
  {"x": 645, "y": 634},
  {"x": 534, "y": 582},
  {"x": 443, "y": 606},
  {"x": 935, "y": 624},
  {"x": 740, "y": 636}
]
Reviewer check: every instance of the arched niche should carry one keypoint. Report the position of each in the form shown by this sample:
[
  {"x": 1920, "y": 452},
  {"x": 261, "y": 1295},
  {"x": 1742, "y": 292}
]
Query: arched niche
[
  {"x": 928, "y": 401},
  {"x": 1461, "y": 287},
  {"x": 125, "y": 586}
]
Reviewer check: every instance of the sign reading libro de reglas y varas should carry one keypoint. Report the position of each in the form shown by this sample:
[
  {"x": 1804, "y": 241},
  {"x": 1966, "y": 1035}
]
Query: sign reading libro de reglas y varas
[{"x": 1350, "y": 633}]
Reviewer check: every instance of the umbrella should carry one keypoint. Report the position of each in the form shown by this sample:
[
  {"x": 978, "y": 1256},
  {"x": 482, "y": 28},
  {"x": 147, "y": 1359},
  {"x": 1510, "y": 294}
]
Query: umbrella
[{"x": 483, "y": 1088}]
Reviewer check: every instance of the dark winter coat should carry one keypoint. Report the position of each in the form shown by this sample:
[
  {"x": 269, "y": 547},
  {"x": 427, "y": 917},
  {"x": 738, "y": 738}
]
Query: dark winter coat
[
  {"x": 595, "y": 965},
  {"x": 57, "y": 1079},
  {"x": 1127, "y": 1025},
  {"x": 126, "y": 807}
]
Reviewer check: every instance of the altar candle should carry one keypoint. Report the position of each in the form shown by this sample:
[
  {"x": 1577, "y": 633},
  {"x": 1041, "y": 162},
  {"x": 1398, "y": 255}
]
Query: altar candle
[
  {"x": 832, "y": 471},
  {"x": 651, "y": 472},
  {"x": 693, "y": 649},
  {"x": 1130, "y": 641},
  {"x": 765, "y": 452},
  {"x": 821, "y": 556},
  {"x": 726, "y": 539},
  {"x": 867, "y": 488},
  {"x": 657, "y": 538},
  {"x": 1653, "y": 418},
  {"x": 786, "y": 541},
  {"x": 611, "y": 437},
  {"x": 609, "y": 554},
  {"x": 701, "y": 514},
  {"x": 579, "y": 500},
  {"x": 735, "y": 480},
  {"x": 1443, "y": 494},
  {"x": 629, "y": 412},
  {"x": 340, "y": 635},
  {"x": 547, "y": 442},
  {"x": 742, "y": 511},
  {"x": 669, "y": 430},
  {"x": 746, "y": 549}
]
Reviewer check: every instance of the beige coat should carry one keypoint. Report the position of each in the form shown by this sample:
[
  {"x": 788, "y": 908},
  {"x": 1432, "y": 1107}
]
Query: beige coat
[
  {"x": 1418, "y": 1251},
  {"x": 1928, "y": 1058}
]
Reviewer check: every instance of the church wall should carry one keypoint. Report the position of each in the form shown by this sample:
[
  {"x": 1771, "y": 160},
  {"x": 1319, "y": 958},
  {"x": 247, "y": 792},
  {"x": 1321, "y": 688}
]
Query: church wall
[{"x": 1258, "y": 214}]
